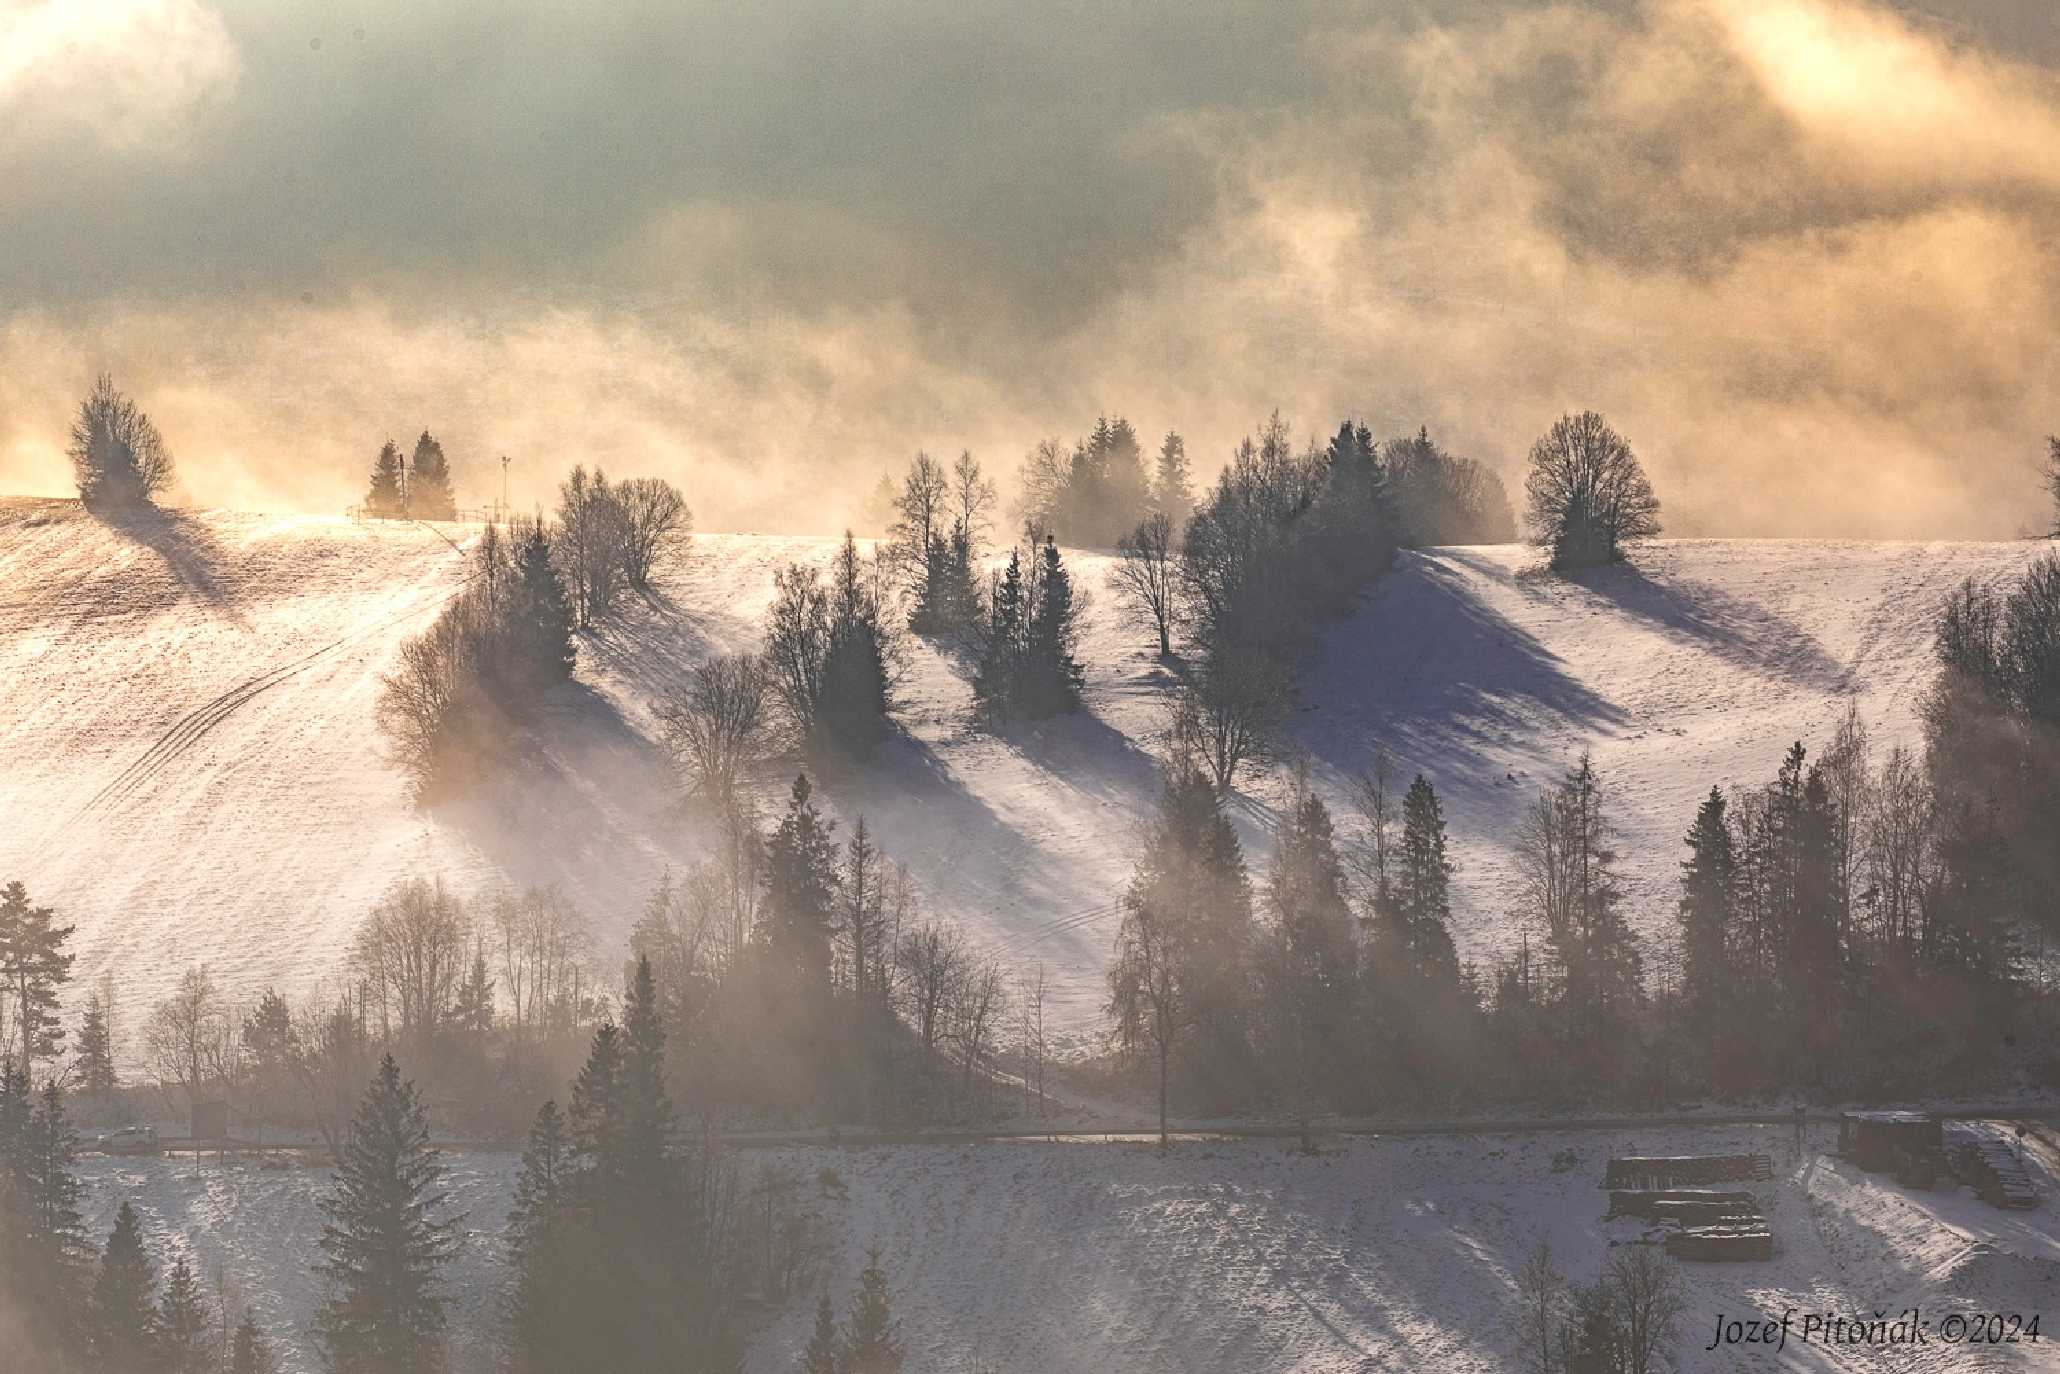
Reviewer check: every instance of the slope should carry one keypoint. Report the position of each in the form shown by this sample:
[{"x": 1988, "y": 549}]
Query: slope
[{"x": 188, "y": 768}]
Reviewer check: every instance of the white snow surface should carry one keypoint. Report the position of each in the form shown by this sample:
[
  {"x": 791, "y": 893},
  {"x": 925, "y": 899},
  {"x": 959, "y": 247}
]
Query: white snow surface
[
  {"x": 189, "y": 770},
  {"x": 1228, "y": 1257}
]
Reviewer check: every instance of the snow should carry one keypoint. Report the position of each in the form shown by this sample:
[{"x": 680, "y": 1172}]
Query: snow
[
  {"x": 1379, "y": 1254},
  {"x": 188, "y": 768}
]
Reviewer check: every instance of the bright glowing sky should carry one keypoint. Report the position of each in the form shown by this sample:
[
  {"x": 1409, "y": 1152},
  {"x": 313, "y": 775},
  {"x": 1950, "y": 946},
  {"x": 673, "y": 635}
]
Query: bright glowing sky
[{"x": 1800, "y": 251}]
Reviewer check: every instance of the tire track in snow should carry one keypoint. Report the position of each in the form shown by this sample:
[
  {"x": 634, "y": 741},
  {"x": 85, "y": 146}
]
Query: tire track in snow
[{"x": 191, "y": 728}]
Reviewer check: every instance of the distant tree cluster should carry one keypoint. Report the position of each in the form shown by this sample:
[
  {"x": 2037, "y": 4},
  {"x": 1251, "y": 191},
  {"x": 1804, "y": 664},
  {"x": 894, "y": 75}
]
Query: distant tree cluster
[
  {"x": 119, "y": 459},
  {"x": 1302, "y": 993},
  {"x": 833, "y": 654},
  {"x": 1027, "y": 668},
  {"x": 418, "y": 488},
  {"x": 1093, "y": 494},
  {"x": 460, "y": 696}
]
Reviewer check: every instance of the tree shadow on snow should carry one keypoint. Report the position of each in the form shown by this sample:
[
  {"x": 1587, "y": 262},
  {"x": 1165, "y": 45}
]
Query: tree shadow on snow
[
  {"x": 190, "y": 553},
  {"x": 1740, "y": 633},
  {"x": 1449, "y": 685},
  {"x": 587, "y": 803}
]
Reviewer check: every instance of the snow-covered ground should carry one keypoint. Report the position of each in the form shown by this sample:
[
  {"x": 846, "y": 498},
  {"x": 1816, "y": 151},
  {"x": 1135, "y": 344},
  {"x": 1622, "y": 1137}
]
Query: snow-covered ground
[
  {"x": 1235, "y": 1257},
  {"x": 188, "y": 768}
]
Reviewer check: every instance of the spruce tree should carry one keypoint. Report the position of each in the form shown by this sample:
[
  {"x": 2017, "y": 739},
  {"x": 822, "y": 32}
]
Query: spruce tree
[
  {"x": 182, "y": 1323},
  {"x": 825, "y": 1352},
  {"x": 852, "y": 714},
  {"x": 386, "y": 1238},
  {"x": 1310, "y": 968},
  {"x": 540, "y": 614},
  {"x": 96, "y": 1051},
  {"x": 429, "y": 492},
  {"x": 42, "y": 1239},
  {"x": 124, "y": 1318},
  {"x": 383, "y": 497},
  {"x": 994, "y": 680},
  {"x": 872, "y": 1342},
  {"x": 1709, "y": 893},
  {"x": 1051, "y": 676},
  {"x": 1172, "y": 489},
  {"x": 1422, "y": 893},
  {"x": 801, "y": 891},
  {"x": 544, "y": 1238},
  {"x": 249, "y": 1351}
]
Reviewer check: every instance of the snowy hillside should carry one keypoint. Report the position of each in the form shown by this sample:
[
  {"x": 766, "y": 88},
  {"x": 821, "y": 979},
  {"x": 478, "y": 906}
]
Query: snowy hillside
[
  {"x": 1382, "y": 1254},
  {"x": 188, "y": 767}
]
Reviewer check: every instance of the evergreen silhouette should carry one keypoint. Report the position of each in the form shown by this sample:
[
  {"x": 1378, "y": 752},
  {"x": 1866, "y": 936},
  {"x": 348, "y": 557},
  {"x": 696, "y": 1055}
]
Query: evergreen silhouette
[
  {"x": 872, "y": 1342},
  {"x": 386, "y": 1238},
  {"x": 430, "y": 495},
  {"x": 383, "y": 496},
  {"x": 182, "y": 1323},
  {"x": 124, "y": 1317}
]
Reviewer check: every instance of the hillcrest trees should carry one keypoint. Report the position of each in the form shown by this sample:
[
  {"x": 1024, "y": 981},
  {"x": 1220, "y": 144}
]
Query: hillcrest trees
[
  {"x": 118, "y": 457},
  {"x": 1587, "y": 494}
]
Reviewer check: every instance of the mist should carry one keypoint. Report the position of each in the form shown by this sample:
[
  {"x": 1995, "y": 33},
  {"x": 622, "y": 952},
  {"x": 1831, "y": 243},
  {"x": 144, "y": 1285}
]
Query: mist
[{"x": 1798, "y": 253}]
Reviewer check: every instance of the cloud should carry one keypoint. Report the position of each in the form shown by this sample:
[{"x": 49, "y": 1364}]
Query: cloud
[
  {"x": 128, "y": 75},
  {"x": 1800, "y": 252}
]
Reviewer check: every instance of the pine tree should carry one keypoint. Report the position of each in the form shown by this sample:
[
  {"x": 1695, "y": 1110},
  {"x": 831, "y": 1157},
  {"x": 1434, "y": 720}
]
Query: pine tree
[
  {"x": 383, "y": 497},
  {"x": 33, "y": 966},
  {"x": 385, "y": 1239},
  {"x": 182, "y": 1323},
  {"x": 872, "y": 1342},
  {"x": 249, "y": 1351},
  {"x": 825, "y": 1352},
  {"x": 124, "y": 1323},
  {"x": 429, "y": 492}
]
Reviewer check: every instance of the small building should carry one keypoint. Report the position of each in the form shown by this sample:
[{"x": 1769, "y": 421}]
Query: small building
[
  {"x": 1910, "y": 1145},
  {"x": 210, "y": 1121}
]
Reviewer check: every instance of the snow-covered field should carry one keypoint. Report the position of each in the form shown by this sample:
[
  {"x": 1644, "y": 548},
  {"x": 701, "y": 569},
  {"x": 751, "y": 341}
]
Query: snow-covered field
[
  {"x": 188, "y": 768},
  {"x": 1237, "y": 1257}
]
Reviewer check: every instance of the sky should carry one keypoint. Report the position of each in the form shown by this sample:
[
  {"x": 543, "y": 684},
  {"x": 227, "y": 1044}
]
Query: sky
[{"x": 1800, "y": 252}]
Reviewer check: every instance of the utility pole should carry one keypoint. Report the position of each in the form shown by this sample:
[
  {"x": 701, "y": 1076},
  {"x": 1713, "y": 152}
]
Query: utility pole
[
  {"x": 504, "y": 486},
  {"x": 404, "y": 486}
]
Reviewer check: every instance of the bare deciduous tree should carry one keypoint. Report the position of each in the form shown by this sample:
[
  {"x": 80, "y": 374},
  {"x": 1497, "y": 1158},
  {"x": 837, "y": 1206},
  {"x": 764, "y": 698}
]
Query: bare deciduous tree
[
  {"x": 797, "y": 643},
  {"x": 1588, "y": 495},
  {"x": 1231, "y": 713},
  {"x": 1648, "y": 1295},
  {"x": 190, "y": 1034},
  {"x": 1148, "y": 577},
  {"x": 715, "y": 725},
  {"x": 976, "y": 1015},
  {"x": 656, "y": 525},
  {"x": 931, "y": 960},
  {"x": 412, "y": 953},
  {"x": 118, "y": 456}
]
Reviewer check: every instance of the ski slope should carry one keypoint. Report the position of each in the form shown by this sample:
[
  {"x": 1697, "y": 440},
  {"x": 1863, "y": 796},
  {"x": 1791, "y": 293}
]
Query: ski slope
[{"x": 189, "y": 771}]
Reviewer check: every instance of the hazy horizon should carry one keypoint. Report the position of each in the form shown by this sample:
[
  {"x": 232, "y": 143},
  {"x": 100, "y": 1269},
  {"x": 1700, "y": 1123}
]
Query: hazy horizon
[{"x": 1799, "y": 253}]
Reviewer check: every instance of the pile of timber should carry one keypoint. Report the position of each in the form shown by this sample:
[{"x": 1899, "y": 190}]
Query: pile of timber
[
  {"x": 1661, "y": 1172},
  {"x": 1684, "y": 1206},
  {"x": 1990, "y": 1165},
  {"x": 1745, "y": 1241}
]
